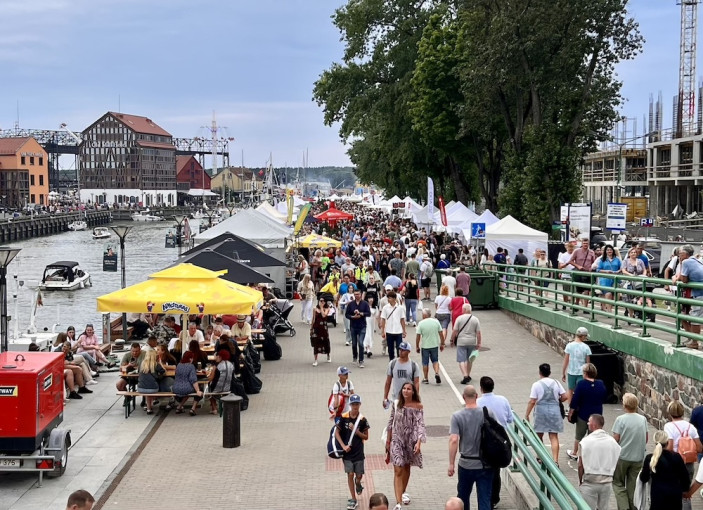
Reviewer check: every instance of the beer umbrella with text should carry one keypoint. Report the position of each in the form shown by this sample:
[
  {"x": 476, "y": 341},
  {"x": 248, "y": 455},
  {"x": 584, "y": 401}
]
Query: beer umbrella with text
[{"x": 183, "y": 289}]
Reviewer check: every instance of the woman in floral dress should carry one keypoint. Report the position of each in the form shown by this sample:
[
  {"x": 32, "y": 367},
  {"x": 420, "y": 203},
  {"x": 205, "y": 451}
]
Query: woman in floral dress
[{"x": 406, "y": 432}]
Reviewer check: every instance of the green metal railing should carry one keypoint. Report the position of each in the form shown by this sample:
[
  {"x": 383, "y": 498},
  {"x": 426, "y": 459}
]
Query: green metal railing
[
  {"x": 631, "y": 296},
  {"x": 532, "y": 459}
]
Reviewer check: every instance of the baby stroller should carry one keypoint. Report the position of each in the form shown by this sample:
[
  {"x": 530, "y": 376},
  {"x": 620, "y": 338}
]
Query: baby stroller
[
  {"x": 331, "y": 309},
  {"x": 277, "y": 316}
]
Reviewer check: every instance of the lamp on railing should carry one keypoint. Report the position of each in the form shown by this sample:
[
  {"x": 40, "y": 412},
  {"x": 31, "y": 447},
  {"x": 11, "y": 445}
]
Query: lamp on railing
[
  {"x": 6, "y": 255},
  {"x": 180, "y": 218},
  {"x": 122, "y": 231}
]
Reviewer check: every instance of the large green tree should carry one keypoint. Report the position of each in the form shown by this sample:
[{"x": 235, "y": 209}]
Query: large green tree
[{"x": 548, "y": 68}]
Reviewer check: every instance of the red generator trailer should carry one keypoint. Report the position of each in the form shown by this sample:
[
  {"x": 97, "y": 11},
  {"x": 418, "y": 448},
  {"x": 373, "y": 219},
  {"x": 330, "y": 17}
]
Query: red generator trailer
[{"x": 31, "y": 410}]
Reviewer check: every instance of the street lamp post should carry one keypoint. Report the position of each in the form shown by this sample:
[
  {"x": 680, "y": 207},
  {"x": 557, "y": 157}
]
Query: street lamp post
[
  {"x": 122, "y": 232},
  {"x": 619, "y": 170},
  {"x": 6, "y": 255},
  {"x": 180, "y": 218}
]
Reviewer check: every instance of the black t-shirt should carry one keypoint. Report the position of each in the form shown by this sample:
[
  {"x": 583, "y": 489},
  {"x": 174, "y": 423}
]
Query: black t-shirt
[
  {"x": 372, "y": 292},
  {"x": 345, "y": 426}
]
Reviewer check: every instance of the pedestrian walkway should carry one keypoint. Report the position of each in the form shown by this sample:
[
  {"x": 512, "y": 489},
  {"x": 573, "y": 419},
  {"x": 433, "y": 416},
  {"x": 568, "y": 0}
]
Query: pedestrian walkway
[{"x": 282, "y": 463}]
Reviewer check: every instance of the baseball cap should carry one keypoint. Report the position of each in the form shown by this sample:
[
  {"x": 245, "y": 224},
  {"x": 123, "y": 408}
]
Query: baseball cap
[
  {"x": 355, "y": 399},
  {"x": 343, "y": 371},
  {"x": 389, "y": 287},
  {"x": 404, "y": 346},
  {"x": 582, "y": 331}
]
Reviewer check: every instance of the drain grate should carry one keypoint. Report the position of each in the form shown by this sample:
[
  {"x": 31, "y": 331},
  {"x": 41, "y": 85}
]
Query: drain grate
[{"x": 437, "y": 430}]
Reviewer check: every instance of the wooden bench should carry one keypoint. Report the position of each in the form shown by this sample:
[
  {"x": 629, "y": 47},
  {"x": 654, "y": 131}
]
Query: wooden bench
[
  {"x": 130, "y": 398},
  {"x": 116, "y": 332}
]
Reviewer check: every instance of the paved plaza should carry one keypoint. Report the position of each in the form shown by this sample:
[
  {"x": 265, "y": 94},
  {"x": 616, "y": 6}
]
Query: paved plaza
[{"x": 282, "y": 463}]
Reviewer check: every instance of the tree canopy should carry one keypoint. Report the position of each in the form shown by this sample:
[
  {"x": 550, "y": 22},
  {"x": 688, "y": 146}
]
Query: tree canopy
[{"x": 492, "y": 98}]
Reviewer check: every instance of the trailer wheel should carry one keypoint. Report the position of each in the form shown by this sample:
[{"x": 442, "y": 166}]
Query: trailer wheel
[{"x": 59, "y": 443}]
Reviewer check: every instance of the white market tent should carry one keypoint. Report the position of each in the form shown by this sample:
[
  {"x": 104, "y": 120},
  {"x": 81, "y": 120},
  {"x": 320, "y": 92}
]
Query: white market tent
[
  {"x": 252, "y": 225},
  {"x": 510, "y": 234},
  {"x": 270, "y": 211},
  {"x": 486, "y": 217},
  {"x": 201, "y": 192}
]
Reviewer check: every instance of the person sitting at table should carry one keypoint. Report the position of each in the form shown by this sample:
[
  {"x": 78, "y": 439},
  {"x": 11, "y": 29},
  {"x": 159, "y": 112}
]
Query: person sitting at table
[
  {"x": 78, "y": 361},
  {"x": 199, "y": 355},
  {"x": 151, "y": 343},
  {"x": 168, "y": 362},
  {"x": 150, "y": 372},
  {"x": 257, "y": 318},
  {"x": 216, "y": 334},
  {"x": 170, "y": 322},
  {"x": 192, "y": 333},
  {"x": 88, "y": 343},
  {"x": 220, "y": 377},
  {"x": 130, "y": 363},
  {"x": 209, "y": 334},
  {"x": 219, "y": 321},
  {"x": 241, "y": 331},
  {"x": 186, "y": 382}
]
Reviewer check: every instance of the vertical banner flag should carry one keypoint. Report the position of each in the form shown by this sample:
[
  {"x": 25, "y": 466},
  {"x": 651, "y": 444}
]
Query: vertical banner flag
[
  {"x": 430, "y": 198},
  {"x": 442, "y": 211},
  {"x": 301, "y": 218},
  {"x": 290, "y": 206}
]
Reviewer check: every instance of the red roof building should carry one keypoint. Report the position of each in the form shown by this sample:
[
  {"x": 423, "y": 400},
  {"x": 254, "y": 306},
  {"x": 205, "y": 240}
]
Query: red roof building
[
  {"x": 190, "y": 174},
  {"x": 127, "y": 152}
]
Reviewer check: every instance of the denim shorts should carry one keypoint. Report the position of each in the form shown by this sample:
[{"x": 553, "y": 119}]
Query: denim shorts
[
  {"x": 463, "y": 352},
  {"x": 431, "y": 354},
  {"x": 444, "y": 319}
]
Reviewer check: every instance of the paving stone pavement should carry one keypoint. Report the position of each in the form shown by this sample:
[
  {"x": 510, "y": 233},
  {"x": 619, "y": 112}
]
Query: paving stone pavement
[{"x": 282, "y": 463}]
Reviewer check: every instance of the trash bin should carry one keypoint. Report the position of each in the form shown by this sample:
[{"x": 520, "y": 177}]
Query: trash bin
[
  {"x": 484, "y": 290},
  {"x": 610, "y": 366}
]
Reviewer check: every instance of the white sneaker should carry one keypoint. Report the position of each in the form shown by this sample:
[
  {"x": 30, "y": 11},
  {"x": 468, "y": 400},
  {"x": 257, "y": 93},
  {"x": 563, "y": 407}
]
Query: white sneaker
[
  {"x": 406, "y": 498},
  {"x": 347, "y": 344},
  {"x": 314, "y": 363},
  {"x": 329, "y": 360},
  {"x": 398, "y": 507},
  {"x": 91, "y": 382},
  {"x": 93, "y": 373}
]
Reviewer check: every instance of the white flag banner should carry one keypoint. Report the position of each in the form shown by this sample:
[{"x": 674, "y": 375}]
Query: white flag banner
[{"x": 430, "y": 198}]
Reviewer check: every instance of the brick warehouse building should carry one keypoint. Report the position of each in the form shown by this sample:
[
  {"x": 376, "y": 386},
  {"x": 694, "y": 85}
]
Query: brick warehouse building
[
  {"x": 24, "y": 173},
  {"x": 127, "y": 159}
]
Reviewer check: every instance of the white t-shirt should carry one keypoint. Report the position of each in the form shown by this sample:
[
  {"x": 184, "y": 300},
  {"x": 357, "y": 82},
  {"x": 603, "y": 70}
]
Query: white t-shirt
[
  {"x": 537, "y": 391},
  {"x": 563, "y": 259},
  {"x": 672, "y": 428},
  {"x": 393, "y": 315},
  {"x": 450, "y": 282},
  {"x": 346, "y": 390},
  {"x": 442, "y": 304}
]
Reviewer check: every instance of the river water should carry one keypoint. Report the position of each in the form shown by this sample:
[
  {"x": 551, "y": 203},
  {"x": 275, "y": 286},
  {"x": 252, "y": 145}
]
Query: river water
[{"x": 145, "y": 253}]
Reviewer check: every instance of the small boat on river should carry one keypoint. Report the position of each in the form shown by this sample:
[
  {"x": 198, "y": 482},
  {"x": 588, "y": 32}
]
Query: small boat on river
[
  {"x": 77, "y": 225},
  {"x": 145, "y": 216},
  {"x": 64, "y": 275},
  {"x": 101, "y": 233}
]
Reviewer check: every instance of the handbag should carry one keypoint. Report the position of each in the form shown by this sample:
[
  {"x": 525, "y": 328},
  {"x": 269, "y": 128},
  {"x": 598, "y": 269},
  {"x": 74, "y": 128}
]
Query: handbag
[
  {"x": 562, "y": 411},
  {"x": 573, "y": 417}
]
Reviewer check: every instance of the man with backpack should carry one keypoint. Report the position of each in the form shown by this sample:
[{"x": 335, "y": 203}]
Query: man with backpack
[
  {"x": 351, "y": 431},
  {"x": 465, "y": 432},
  {"x": 400, "y": 370},
  {"x": 342, "y": 390}
]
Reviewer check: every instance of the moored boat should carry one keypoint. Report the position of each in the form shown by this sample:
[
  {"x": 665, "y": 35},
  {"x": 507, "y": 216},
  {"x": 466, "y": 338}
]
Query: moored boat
[{"x": 64, "y": 275}]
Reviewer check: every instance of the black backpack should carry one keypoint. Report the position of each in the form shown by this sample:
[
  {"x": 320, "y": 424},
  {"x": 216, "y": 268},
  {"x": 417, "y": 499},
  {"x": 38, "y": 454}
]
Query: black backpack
[
  {"x": 237, "y": 388},
  {"x": 496, "y": 448}
]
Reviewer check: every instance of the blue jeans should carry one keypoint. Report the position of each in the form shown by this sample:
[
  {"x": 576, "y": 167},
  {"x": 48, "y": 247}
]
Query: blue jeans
[
  {"x": 393, "y": 341},
  {"x": 411, "y": 310},
  {"x": 483, "y": 478},
  {"x": 357, "y": 341}
]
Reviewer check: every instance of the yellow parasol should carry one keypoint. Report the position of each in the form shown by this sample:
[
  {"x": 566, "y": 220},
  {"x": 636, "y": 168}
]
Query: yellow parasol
[
  {"x": 183, "y": 289},
  {"x": 316, "y": 241}
]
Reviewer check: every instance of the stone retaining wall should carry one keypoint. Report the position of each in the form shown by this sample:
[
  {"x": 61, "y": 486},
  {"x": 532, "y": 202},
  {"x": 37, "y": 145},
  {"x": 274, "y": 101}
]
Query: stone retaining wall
[{"x": 655, "y": 386}]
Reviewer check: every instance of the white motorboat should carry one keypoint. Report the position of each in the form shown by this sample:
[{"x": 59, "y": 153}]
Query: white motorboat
[
  {"x": 145, "y": 216},
  {"x": 64, "y": 275},
  {"x": 101, "y": 233},
  {"x": 21, "y": 340},
  {"x": 77, "y": 225}
]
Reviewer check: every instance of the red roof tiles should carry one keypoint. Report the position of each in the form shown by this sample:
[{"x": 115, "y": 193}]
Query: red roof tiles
[
  {"x": 9, "y": 146},
  {"x": 140, "y": 124}
]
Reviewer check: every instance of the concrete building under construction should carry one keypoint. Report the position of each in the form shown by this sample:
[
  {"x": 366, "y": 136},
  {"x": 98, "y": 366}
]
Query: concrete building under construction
[{"x": 665, "y": 166}]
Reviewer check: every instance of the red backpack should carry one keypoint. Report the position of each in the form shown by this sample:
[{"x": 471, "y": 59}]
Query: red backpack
[{"x": 687, "y": 446}]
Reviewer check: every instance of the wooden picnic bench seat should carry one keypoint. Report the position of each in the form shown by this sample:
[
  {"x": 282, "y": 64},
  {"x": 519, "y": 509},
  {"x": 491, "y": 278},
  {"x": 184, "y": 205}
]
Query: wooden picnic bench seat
[
  {"x": 130, "y": 398},
  {"x": 116, "y": 332}
]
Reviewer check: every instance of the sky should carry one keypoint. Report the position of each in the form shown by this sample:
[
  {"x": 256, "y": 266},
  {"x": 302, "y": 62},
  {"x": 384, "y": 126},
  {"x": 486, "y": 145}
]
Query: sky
[{"x": 253, "y": 62}]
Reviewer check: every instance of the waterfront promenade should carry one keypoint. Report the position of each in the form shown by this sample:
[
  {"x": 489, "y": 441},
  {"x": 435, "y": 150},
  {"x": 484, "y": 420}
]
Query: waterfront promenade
[{"x": 282, "y": 462}]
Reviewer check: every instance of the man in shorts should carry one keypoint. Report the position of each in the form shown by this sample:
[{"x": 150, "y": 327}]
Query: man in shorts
[
  {"x": 691, "y": 272},
  {"x": 467, "y": 338},
  {"x": 429, "y": 340},
  {"x": 426, "y": 271},
  {"x": 564, "y": 263},
  {"x": 353, "y": 448}
]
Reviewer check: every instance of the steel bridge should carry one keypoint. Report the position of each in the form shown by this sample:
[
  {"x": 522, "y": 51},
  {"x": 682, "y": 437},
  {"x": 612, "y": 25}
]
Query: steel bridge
[{"x": 59, "y": 142}]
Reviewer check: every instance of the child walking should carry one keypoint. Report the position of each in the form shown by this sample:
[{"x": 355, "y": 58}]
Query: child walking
[{"x": 354, "y": 423}]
